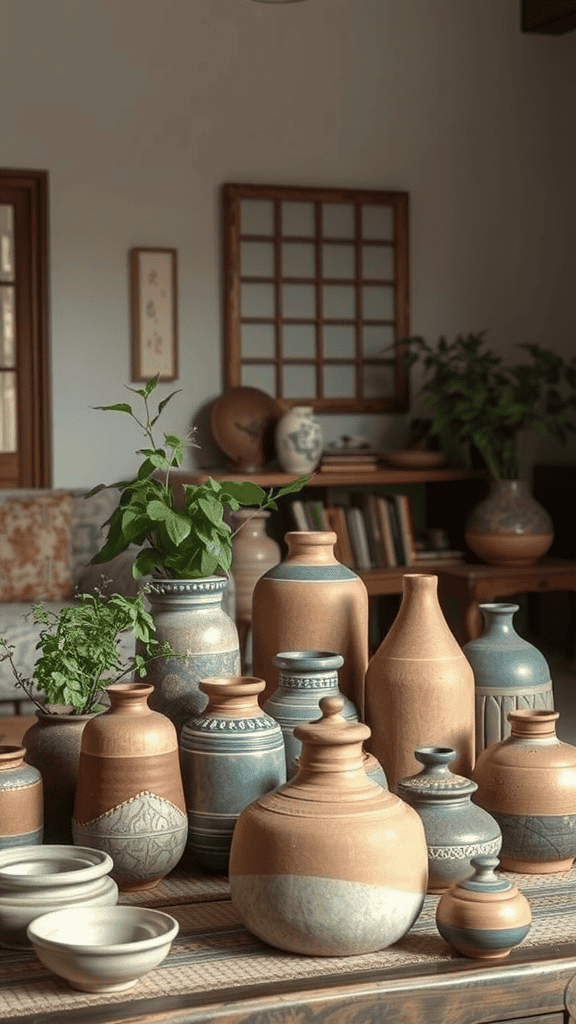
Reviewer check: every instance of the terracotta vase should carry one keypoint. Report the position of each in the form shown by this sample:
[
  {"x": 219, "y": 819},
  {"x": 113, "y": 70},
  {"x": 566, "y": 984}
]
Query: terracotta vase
[
  {"x": 298, "y": 438},
  {"x": 21, "y": 800},
  {"x": 484, "y": 916},
  {"x": 253, "y": 553},
  {"x": 509, "y": 527},
  {"x": 53, "y": 747},
  {"x": 129, "y": 797},
  {"x": 189, "y": 615},
  {"x": 527, "y": 782},
  {"x": 456, "y": 829},
  {"x": 304, "y": 677},
  {"x": 509, "y": 674},
  {"x": 310, "y": 869},
  {"x": 419, "y": 686},
  {"x": 311, "y": 602},
  {"x": 230, "y": 754}
]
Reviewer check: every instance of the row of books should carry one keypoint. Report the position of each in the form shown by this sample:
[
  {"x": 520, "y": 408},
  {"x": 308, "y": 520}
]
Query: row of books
[{"x": 375, "y": 531}]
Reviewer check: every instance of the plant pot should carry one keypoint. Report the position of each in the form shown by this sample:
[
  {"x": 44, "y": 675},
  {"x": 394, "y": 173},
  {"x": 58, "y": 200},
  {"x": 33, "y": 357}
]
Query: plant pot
[{"x": 509, "y": 527}]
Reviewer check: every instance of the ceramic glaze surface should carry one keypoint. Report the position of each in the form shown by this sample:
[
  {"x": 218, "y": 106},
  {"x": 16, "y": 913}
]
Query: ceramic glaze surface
[
  {"x": 189, "y": 615},
  {"x": 298, "y": 437},
  {"x": 253, "y": 553},
  {"x": 21, "y": 800},
  {"x": 53, "y": 747},
  {"x": 509, "y": 674},
  {"x": 456, "y": 829},
  {"x": 230, "y": 754},
  {"x": 527, "y": 782},
  {"x": 311, "y": 602},
  {"x": 509, "y": 527}
]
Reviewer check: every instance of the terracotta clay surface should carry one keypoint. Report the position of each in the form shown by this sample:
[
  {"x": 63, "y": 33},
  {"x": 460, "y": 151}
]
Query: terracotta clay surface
[
  {"x": 53, "y": 747},
  {"x": 21, "y": 800}
]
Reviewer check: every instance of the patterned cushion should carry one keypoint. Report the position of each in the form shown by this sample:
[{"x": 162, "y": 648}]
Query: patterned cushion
[{"x": 35, "y": 548}]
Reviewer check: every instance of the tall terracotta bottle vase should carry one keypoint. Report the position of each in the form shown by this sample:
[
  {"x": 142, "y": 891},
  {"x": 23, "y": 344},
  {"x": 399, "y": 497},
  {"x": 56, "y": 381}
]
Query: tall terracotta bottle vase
[
  {"x": 129, "y": 796},
  {"x": 253, "y": 553},
  {"x": 311, "y": 602},
  {"x": 419, "y": 686}
]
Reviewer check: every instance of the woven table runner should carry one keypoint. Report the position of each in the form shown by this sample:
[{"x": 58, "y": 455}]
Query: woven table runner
[{"x": 214, "y": 951}]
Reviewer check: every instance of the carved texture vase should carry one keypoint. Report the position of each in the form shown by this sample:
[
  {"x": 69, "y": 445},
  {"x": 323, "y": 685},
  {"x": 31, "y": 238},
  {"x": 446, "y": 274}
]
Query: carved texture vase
[
  {"x": 21, "y": 800},
  {"x": 509, "y": 674},
  {"x": 230, "y": 754},
  {"x": 509, "y": 527},
  {"x": 311, "y": 602},
  {"x": 129, "y": 798},
  {"x": 330, "y": 864},
  {"x": 527, "y": 782},
  {"x": 419, "y": 686}
]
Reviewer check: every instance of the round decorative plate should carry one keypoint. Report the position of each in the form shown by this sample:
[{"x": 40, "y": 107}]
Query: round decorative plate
[
  {"x": 243, "y": 422},
  {"x": 414, "y": 458}
]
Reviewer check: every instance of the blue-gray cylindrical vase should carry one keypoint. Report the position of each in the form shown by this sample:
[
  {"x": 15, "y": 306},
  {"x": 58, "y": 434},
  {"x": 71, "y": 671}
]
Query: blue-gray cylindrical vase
[
  {"x": 231, "y": 754},
  {"x": 304, "y": 677},
  {"x": 510, "y": 674}
]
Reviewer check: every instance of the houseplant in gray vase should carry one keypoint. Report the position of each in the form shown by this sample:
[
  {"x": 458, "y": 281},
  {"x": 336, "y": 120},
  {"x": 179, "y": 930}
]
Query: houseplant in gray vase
[
  {"x": 485, "y": 405},
  {"x": 188, "y": 552},
  {"x": 80, "y": 657}
]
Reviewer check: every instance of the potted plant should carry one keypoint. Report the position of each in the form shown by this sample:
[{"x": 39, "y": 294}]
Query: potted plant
[
  {"x": 477, "y": 400},
  {"x": 188, "y": 552}
]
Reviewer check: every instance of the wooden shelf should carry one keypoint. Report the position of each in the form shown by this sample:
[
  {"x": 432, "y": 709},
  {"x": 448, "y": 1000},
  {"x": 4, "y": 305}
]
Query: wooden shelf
[
  {"x": 275, "y": 478},
  {"x": 389, "y": 581}
]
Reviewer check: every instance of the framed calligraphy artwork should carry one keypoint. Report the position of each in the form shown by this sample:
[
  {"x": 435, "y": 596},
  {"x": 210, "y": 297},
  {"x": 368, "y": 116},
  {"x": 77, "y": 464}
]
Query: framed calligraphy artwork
[{"x": 153, "y": 303}]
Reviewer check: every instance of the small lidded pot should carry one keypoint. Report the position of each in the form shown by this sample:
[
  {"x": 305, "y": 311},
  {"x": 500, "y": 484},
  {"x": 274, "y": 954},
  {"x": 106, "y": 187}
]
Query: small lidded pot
[
  {"x": 456, "y": 829},
  {"x": 484, "y": 916}
]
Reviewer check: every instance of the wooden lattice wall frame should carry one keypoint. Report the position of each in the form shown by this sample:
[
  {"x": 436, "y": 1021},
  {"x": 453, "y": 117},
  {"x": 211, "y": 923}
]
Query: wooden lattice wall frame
[{"x": 315, "y": 294}]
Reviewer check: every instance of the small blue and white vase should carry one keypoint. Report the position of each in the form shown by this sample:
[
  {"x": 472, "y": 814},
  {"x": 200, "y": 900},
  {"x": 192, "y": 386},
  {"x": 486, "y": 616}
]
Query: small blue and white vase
[
  {"x": 299, "y": 440},
  {"x": 510, "y": 674},
  {"x": 304, "y": 677},
  {"x": 231, "y": 754},
  {"x": 21, "y": 802},
  {"x": 455, "y": 832}
]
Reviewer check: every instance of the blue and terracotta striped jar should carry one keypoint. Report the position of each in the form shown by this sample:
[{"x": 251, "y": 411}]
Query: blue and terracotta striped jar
[{"x": 21, "y": 800}]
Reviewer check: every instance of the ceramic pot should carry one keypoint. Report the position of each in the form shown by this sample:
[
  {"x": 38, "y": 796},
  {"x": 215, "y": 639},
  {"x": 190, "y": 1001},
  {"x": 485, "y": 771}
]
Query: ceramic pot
[
  {"x": 372, "y": 768},
  {"x": 509, "y": 673},
  {"x": 456, "y": 829},
  {"x": 419, "y": 686},
  {"x": 527, "y": 782},
  {"x": 189, "y": 615},
  {"x": 484, "y": 916},
  {"x": 309, "y": 870},
  {"x": 298, "y": 438},
  {"x": 253, "y": 552},
  {"x": 509, "y": 527},
  {"x": 129, "y": 797},
  {"x": 311, "y": 602},
  {"x": 21, "y": 800},
  {"x": 304, "y": 677},
  {"x": 53, "y": 747},
  {"x": 230, "y": 754}
]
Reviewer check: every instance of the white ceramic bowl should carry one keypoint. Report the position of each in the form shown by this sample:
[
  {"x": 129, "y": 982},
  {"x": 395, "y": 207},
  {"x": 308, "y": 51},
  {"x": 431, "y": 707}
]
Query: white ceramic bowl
[
  {"x": 102, "y": 949},
  {"x": 35, "y": 880}
]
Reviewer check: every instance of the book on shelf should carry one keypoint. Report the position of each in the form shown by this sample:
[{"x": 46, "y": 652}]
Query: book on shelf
[
  {"x": 384, "y": 516},
  {"x": 348, "y": 467},
  {"x": 358, "y": 538},
  {"x": 299, "y": 515},
  {"x": 403, "y": 508},
  {"x": 439, "y": 555},
  {"x": 336, "y": 516},
  {"x": 316, "y": 515}
]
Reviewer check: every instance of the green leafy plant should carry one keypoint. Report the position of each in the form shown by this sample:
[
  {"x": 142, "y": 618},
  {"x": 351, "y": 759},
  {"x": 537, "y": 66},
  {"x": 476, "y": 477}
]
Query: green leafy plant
[
  {"x": 80, "y": 654},
  {"x": 179, "y": 543},
  {"x": 483, "y": 403}
]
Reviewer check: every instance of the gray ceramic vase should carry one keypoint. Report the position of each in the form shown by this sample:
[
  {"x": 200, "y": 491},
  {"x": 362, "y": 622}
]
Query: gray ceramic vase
[
  {"x": 304, "y": 677},
  {"x": 455, "y": 832},
  {"x": 21, "y": 800},
  {"x": 231, "y": 754},
  {"x": 189, "y": 615},
  {"x": 509, "y": 674}
]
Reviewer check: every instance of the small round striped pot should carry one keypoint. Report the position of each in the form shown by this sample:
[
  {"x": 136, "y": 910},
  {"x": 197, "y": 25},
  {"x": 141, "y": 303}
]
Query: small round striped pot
[
  {"x": 484, "y": 916},
  {"x": 21, "y": 802}
]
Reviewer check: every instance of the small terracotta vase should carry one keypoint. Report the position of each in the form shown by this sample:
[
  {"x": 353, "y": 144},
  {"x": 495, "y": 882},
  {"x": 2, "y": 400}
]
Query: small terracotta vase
[
  {"x": 527, "y": 782},
  {"x": 483, "y": 916},
  {"x": 21, "y": 800},
  {"x": 509, "y": 527},
  {"x": 298, "y": 438},
  {"x": 509, "y": 674},
  {"x": 253, "y": 553},
  {"x": 419, "y": 686},
  {"x": 311, "y": 602},
  {"x": 309, "y": 870},
  {"x": 456, "y": 829},
  {"x": 304, "y": 677},
  {"x": 53, "y": 747},
  {"x": 230, "y": 754},
  {"x": 129, "y": 797}
]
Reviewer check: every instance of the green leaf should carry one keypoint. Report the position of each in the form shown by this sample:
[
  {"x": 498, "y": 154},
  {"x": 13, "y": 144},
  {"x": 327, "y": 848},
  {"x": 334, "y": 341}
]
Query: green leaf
[
  {"x": 246, "y": 492},
  {"x": 296, "y": 485},
  {"x": 119, "y": 407}
]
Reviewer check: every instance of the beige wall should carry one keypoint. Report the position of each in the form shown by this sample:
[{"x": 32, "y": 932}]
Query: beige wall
[{"x": 141, "y": 109}]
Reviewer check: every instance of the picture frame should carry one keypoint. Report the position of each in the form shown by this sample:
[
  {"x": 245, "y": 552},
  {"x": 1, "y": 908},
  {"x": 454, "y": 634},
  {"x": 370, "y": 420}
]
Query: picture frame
[{"x": 153, "y": 308}]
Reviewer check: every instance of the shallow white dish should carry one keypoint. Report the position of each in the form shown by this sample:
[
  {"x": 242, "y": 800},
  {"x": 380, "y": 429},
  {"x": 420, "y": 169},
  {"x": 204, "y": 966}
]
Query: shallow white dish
[{"x": 102, "y": 949}]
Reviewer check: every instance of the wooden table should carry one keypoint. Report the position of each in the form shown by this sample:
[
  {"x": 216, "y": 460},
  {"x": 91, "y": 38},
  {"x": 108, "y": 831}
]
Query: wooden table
[
  {"x": 217, "y": 973},
  {"x": 476, "y": 584}
]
